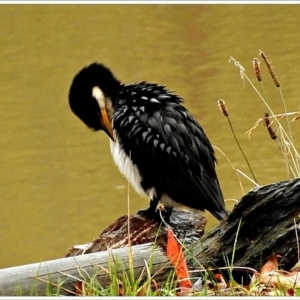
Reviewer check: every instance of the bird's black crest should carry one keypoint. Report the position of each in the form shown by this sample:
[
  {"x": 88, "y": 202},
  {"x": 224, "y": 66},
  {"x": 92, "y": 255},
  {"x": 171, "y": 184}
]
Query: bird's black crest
[{"x": 80, "y": 95}]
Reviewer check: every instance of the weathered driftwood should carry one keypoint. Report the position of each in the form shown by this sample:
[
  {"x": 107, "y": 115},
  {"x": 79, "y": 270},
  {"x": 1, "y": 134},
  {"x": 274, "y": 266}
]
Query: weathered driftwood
[
  {"x": 264, "y": 222},
  {"x": 63, "y": 274},
  {"x": 33, "y": 279},
  {"x": 188, "y": 227}
]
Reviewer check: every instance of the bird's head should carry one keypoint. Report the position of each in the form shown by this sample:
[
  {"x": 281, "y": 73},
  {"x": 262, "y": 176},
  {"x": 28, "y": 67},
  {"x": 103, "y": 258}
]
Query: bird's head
[{"x": 90, "y": 97}]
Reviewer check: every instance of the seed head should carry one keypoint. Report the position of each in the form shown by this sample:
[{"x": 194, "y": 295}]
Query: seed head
[
  {"x": 256, "y": 67},
  {"x": 270, "y": 68},
  {"x": 269, "y": 128},
  {"x": 223, "y": 107}
]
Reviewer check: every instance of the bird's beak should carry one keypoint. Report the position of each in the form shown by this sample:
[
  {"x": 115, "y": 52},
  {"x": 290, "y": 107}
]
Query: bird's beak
[
  {"x": 97, "y": 93},
  {"x": 107, "y": 127}
]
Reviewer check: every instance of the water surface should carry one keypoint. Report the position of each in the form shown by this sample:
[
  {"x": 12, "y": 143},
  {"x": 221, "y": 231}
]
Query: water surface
[{"x": 59, "y": 185}]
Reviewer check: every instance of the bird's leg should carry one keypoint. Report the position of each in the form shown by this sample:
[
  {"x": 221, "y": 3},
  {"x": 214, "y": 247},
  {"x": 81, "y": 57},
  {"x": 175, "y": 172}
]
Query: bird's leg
[
  {"x": 151, "y": 211},
  {"x": 155, "y": 212},
  {"x": 166, "y": 213}
]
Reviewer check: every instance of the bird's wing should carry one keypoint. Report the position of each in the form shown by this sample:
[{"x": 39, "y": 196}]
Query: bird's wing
[{"x": 171, "y": 151}]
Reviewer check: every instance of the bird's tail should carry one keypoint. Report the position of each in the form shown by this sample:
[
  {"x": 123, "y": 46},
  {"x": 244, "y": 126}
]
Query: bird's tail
[{"x": 220, "y": 214}]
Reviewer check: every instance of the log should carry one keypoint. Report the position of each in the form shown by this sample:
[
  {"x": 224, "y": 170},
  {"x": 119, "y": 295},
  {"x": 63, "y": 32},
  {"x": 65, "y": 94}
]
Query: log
[
  {"x": 264, "y": 222},
  {"x": 188, "y": 226},
  {"x": 61, "y": 275}
]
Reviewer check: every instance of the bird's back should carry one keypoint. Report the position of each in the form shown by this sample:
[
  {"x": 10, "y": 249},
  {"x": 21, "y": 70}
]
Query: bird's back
[{"x": 168, "y": 146}]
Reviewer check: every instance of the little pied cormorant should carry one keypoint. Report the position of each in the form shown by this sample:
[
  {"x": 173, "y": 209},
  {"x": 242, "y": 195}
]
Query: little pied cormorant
[{"x": 155, "y": 142}]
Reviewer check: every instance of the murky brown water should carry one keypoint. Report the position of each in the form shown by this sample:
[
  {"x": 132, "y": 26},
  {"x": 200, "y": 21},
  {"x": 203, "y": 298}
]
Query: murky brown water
[{"x": 59, "y": 185}]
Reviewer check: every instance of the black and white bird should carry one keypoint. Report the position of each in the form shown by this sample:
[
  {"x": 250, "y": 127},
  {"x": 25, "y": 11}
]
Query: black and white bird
[{"x": 154, "y": 140}]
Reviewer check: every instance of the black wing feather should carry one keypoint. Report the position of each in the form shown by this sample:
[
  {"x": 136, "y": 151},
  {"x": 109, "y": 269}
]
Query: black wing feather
[{"x": 169, "y": 147}]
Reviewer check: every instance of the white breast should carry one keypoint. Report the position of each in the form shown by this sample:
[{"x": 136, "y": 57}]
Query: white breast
[
  {"x": 126, "y": 167},
  {"x": 131, "y": 173}
]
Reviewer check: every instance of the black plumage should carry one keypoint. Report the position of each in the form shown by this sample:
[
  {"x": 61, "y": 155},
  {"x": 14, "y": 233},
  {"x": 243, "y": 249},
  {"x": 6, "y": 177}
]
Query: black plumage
[{"x": 172, "y": 154}]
